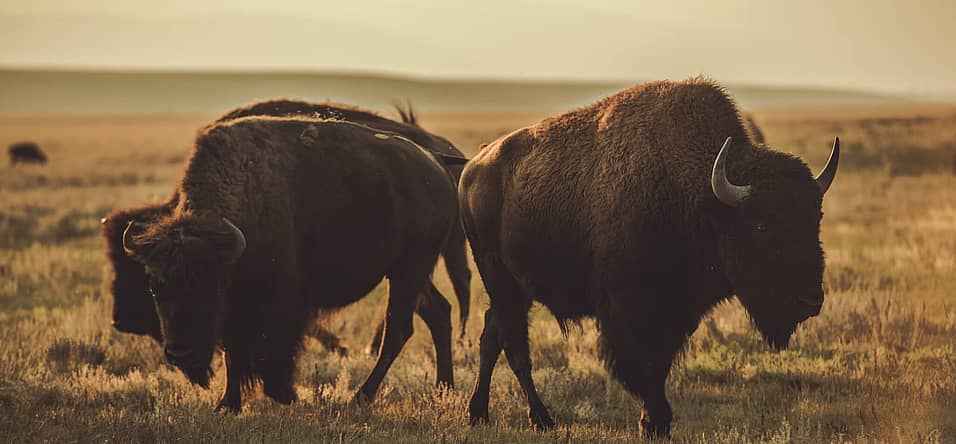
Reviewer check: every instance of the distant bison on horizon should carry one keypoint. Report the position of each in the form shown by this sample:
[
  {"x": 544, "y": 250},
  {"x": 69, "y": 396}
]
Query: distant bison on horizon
[{"x": 26, "y": 152}]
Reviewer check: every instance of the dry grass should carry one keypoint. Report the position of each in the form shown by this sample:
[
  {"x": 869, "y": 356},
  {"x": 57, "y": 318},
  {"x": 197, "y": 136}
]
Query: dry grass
[{"x": 878, "y": 365}]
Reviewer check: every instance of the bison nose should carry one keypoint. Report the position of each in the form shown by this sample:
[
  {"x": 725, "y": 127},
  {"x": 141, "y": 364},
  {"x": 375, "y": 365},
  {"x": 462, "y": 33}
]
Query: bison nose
[
  {"x": 809, "y": 308},
  {"x": 812, "y": 310},
  {"x": 176, "y": 355},
  {"x": 813, "y": 300}
]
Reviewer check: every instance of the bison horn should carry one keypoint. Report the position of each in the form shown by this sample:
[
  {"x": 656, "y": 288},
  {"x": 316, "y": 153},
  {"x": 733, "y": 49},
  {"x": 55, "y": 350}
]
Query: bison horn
[
  {"x": 825, "y": 178},
  {"x": 240, "y": 242},
  {"x": 725, "y": 191},
  {"x": 128, "y": 245}
]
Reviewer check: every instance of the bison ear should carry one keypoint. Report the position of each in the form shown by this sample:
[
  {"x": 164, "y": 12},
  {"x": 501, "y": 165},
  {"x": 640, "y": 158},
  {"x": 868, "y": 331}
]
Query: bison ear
[{"x": 715, "y": 211}]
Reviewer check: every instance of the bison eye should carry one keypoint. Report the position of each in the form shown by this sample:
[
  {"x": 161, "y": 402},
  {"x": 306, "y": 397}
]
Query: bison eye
[{"x": 760, "y": 227}]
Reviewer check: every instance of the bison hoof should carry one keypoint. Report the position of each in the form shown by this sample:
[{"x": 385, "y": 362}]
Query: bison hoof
[
  {"x": 477, "y": 416},
  {"x": 652, "y": 429},
  {"x": 283, "y": 396},
  {"x": 362, "y": 399},
  {"x": 540, "y": 420}
]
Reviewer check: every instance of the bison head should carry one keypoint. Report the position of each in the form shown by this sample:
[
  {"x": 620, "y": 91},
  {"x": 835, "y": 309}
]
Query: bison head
[
  {"x": 133, "y": 308},
  {"x": 769, "y": 235},
  {"x": 188, "y": 261}
]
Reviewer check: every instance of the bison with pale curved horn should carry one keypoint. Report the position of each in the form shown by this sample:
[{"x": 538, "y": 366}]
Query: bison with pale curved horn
[
  {"x": 630, "y": 212},
  {"x": 133, "y": 308},
  {"x": 278, "y": 218}
]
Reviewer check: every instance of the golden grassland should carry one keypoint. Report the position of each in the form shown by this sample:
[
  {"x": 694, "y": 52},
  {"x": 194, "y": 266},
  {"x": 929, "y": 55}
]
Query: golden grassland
[{"x": 878, "y": 364}]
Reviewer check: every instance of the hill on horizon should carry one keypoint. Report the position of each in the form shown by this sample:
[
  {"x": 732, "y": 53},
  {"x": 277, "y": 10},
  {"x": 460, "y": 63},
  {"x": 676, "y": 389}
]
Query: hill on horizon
[
  {"x": 29, "y": 91},
  {"x": 513, "y": 39}
]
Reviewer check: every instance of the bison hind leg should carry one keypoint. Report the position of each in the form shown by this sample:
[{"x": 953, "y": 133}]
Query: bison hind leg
[
  {"x": 375, "y": 343},
  {"x": 488, "y": 351},
  {"x": 435, "y": 310},
  {"x": 405, "y": 285},
  {"x": 509, "y": 315}
]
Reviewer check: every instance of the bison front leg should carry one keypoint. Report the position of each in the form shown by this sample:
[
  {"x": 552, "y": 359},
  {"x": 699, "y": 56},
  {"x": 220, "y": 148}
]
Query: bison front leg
[
  {"x": 641, "y": 359},
  {"x": 276, "y": 365},
  {"x": 656, "y": 415},
  {"x": 278, "y": 344},
  {"x": 236, "y": 365},
  {"x": 277, "y": 377}
]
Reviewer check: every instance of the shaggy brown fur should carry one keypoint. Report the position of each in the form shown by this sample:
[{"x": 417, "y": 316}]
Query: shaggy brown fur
[
  {"x": 134, "y": 310},
  {"x": 607, "y": 212},
  {"x": 454, "y": 255},
  {"x": 338, "y": 111},
  {"x": 26, "y": 152},
  {"x": 326, "y": 210}
]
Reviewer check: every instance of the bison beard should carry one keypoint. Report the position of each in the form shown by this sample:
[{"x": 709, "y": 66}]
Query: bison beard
[
  {"x": 272, "y": 251},
  {"x": 662, "y": 225}
]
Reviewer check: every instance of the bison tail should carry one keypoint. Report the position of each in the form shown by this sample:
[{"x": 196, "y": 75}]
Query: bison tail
[{"x": 453, "y": 160}]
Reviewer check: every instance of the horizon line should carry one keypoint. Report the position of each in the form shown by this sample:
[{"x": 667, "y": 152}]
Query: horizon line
[{"x": 424, "y": 78}]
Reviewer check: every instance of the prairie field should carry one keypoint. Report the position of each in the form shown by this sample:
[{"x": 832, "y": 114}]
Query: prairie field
[{"x": 878, "y": 365}]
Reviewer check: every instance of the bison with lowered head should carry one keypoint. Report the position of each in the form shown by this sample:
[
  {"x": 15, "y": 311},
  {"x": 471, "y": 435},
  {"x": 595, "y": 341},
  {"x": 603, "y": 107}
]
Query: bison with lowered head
[
  {"x": 133, "y": 308},
  {"x": 454, "y": 255},
  {"x": 278, "y": 218},
  {"x": 643, "y": 210}
]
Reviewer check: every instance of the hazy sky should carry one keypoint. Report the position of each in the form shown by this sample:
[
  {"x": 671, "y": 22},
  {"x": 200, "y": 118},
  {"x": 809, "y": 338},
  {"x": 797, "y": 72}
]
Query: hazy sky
[{"x": 882, "y": 45}]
